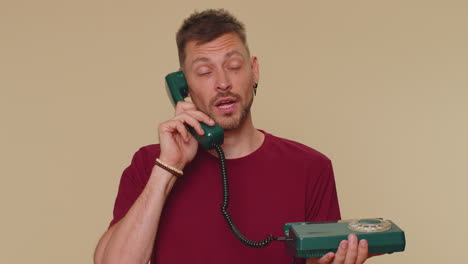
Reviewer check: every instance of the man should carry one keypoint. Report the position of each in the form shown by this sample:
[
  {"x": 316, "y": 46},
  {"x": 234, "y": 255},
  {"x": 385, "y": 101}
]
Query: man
[{"x": 163, "y": 217}]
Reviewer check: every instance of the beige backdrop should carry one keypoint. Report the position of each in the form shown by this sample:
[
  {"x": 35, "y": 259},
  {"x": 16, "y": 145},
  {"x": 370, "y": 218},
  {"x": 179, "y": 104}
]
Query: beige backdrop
[{"x": 378, "y": 86}]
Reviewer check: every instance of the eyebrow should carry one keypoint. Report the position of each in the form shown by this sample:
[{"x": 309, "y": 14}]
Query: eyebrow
[
  {"x": 231, "y": 53},
  {"x": 205, "y": 59}
]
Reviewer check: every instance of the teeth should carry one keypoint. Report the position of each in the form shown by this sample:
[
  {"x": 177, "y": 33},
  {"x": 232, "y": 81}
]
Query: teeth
[{"x": 226, "y": 105}]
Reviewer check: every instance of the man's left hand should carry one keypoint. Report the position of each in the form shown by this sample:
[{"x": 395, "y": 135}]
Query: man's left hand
[{"x": 349, "y": 252}]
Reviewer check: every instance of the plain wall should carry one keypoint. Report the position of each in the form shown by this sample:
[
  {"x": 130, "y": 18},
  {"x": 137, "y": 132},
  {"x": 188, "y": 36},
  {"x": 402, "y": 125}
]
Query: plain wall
[{"x": 380, "y": 87}]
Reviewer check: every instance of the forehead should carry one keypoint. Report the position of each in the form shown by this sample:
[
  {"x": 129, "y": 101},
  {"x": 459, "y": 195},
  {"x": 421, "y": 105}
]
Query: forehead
[{"x": 219, "y": 47}]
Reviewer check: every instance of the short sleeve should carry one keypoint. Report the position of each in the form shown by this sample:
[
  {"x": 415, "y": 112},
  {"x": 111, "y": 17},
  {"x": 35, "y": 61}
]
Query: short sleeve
[
  {"x": 321, "y": 196},
  {"x": 133, "y": 181}
]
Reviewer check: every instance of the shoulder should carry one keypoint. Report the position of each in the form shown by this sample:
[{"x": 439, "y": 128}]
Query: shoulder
[
  {"x": 139, "y": 169},
  {"x": 149, "y": 150},
  {"x": 293, "y": 150},
  {"x": 145, "y": 156}
]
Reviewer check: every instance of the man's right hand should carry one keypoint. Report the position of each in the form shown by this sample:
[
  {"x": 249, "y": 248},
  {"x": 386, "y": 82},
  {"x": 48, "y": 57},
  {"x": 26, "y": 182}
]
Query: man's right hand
[
  {"x": 178, "y": 146},
  {"x": 137, "y": 230}
]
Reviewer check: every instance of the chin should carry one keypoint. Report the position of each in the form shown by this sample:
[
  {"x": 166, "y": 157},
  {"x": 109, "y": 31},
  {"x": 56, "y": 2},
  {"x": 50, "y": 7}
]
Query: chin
[
  {"x": 234, "y": 120},
  {"x": 228, "y": 127},
  {"x": 229, "y": 124}
]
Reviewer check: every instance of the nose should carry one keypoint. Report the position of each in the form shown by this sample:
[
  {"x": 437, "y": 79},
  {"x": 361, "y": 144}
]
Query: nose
[{"x": 223, "y": 82}]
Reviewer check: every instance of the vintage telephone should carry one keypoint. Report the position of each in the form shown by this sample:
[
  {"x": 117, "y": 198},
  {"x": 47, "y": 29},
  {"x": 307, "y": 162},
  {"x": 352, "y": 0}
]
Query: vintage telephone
[{"x": 303, "y": 239}]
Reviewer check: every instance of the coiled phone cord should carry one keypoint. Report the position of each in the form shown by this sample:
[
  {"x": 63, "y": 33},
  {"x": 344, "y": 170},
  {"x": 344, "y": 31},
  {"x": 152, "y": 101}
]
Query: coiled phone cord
[{"x": 237, "y": 233}]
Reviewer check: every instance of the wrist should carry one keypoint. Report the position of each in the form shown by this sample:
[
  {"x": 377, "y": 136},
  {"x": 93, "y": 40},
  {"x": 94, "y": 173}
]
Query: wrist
[
  {"x": 170, "y": 162},
  {"x": 161, "y": 180},
  {"x": 169, "y": 168}
]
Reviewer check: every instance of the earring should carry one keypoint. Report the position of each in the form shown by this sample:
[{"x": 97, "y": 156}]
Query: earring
[{"x": 255, "y": 88}]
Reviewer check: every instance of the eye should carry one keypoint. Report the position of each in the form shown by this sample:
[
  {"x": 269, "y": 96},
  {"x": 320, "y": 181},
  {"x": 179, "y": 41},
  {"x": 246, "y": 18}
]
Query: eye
[
  {"x": 234, "y": 64},
  {"x": 203, "y": 70}
]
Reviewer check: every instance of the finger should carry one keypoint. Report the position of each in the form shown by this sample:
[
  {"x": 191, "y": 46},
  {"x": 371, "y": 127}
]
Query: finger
[
  {"x": 189, "y": 107},
  {"x": 174, "y": 126},
  {"x": 326, "y": 259},
  {"x": 198, "y": 115},
  {"x": 182, "y": 129},
  {"x": 202, "y": 117},
  {"x": 189, "y": 120},
  {"x": 182, "y": 106},
  {"x": 351, "y": 255},
  {"x": 342, "y": 252},
  {"x": 363, "y": 251}
]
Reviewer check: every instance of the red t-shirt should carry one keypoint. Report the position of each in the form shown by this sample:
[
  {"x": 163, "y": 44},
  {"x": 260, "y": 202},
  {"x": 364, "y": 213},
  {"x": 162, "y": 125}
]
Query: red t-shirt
[{"x": 283, "y": 181}]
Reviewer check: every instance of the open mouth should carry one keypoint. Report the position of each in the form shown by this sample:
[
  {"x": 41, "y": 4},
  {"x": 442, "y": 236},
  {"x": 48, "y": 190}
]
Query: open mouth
[{"x": 226, "y": 104}]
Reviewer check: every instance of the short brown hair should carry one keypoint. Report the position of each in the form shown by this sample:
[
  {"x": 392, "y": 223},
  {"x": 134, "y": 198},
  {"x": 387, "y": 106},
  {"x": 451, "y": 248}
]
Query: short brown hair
[{"x": 206, "y": 26}]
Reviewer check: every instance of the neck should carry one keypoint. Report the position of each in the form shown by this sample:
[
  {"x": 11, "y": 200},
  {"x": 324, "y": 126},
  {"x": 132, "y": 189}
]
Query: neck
[{"x": 241, "y": 141}]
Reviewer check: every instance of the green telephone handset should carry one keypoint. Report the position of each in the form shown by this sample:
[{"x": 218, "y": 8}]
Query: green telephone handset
[{"x": 177, "y": 89}]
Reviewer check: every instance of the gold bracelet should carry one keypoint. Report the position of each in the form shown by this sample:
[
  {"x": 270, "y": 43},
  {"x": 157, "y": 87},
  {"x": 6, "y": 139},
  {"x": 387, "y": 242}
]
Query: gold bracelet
[{"x": 174, "y": 171}]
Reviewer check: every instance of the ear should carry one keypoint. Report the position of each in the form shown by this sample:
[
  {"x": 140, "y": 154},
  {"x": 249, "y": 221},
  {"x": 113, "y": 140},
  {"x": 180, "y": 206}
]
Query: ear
[{"x": 255, "y": 69}]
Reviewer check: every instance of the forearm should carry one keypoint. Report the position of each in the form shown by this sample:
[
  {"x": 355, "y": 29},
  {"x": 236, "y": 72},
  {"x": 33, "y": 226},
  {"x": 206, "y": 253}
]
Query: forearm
[{"x": 131, "y": 240}]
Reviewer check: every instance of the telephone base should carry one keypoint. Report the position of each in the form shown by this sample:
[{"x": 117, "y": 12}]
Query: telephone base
[{"x": 313, "y": 240}]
